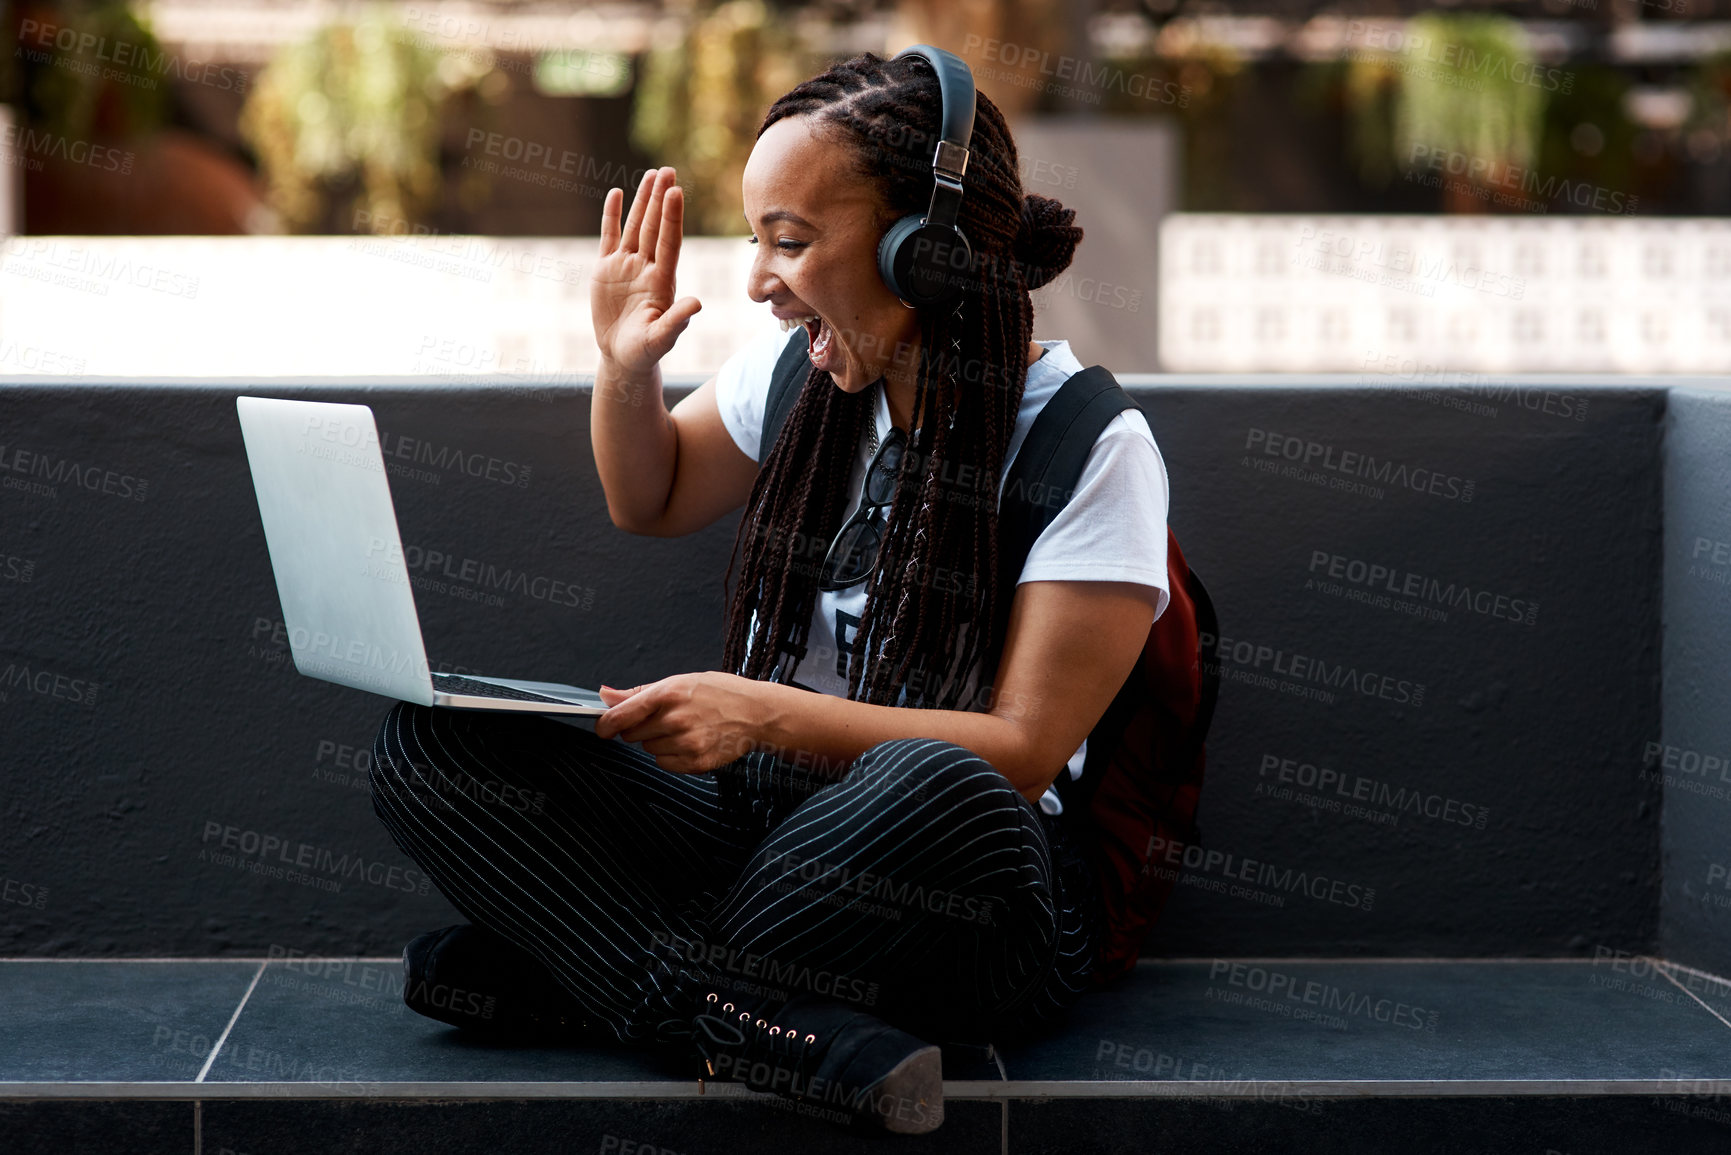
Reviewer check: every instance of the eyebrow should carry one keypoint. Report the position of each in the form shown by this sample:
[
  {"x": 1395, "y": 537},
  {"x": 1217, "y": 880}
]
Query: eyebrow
[{"x": 784, "y": 215}]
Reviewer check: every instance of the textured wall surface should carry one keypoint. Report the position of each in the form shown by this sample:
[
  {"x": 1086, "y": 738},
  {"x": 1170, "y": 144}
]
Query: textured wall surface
[
  {"x": 1452, "y": 768},
  {"x": 1692, "y": 761}
]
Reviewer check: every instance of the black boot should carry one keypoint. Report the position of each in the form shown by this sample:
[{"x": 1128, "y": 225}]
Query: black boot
[
  {"x": 471, "y": 977},
  {"x": 836, "y": 1061}
]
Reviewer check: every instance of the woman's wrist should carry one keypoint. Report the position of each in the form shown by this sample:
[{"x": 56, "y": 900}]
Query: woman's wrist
[{"x": 770, "y": 726}]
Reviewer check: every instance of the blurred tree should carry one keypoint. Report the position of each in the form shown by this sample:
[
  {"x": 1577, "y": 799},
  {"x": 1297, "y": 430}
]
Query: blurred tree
[
  {"x": 95, "y": 94},
  {"x": 1461, "y": 86},
  {"x": 356, "y": 104},
  {"x": 1018, "y": 50},
  {"x": 75, "y": 100},
  {"x": 701, "y": 98}
]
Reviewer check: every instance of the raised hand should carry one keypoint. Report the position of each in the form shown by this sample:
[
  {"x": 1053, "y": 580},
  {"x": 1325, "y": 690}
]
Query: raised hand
[{"x": 636, "y": 317}]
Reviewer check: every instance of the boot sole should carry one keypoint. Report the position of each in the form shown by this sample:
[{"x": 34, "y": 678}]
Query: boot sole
[{"x": 914, "y": 1088}]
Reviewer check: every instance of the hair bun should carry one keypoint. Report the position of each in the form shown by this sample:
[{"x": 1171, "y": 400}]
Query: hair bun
[{"x": 1046, "y": 243}]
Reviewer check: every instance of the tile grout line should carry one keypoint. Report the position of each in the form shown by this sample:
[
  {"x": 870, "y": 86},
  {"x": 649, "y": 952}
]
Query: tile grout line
[
  {"x": 1718, "y": 979},
  {"x": 1670, "y": 978},
  {"x": 232, "y": 1019}
]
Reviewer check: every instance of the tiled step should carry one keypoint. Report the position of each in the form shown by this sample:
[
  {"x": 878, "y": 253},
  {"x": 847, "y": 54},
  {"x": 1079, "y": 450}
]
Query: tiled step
[{"x": 257, "y": 1058}]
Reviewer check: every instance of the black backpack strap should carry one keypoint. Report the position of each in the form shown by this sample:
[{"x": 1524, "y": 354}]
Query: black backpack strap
[
  {"x": 1050, "y": 462},
  {"x": 791, "y": 371}
]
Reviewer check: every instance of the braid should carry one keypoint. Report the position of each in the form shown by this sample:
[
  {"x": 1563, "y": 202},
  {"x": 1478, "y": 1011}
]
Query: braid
[{"x": 937, "y": 568}]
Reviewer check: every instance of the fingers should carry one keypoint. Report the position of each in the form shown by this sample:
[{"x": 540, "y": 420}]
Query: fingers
[
  {"x": 672, "y": 231},
  {"x": 673, "y": 322},
  {"x": 610, "y": 220},
  {"x": 625, "y": 715},
  {"x": 639, "y": 204},
  {"x": 651, "y": 229}
]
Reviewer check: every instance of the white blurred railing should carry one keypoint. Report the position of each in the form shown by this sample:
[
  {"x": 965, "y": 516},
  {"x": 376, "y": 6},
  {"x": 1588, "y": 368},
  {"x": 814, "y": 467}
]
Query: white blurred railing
[
  {"x": 1392, "y": 294},
  {"x": 445, "y": 306},
  {"x": 1413, "y": 296}
]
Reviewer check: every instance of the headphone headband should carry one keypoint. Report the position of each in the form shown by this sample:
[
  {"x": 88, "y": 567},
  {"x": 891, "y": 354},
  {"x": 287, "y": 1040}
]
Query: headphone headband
[
  {"x": 920, "y": 257},
  {"x": 956, "y": 88}
]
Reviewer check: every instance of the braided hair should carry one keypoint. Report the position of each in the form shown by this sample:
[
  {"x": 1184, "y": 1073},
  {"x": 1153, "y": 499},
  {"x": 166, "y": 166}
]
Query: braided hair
[{"x": 938, "y": 564}]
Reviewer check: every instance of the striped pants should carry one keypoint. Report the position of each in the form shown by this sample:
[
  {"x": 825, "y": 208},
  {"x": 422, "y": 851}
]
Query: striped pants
[{"x": 919, "y": 885}]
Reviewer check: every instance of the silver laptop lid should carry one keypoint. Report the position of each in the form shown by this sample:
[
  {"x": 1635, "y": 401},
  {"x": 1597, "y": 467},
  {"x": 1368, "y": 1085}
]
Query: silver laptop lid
[{"x": 332, "y": 533}]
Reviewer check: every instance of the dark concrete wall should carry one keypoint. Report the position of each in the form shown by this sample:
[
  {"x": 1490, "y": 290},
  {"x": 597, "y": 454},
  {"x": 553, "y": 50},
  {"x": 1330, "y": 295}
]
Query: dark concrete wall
[
  {"x": 1692, "y": 760},
  {"x": 166, "y": 604}
]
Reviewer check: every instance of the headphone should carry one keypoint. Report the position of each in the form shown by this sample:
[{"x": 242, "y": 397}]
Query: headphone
[{"x": 920, "y": 257}]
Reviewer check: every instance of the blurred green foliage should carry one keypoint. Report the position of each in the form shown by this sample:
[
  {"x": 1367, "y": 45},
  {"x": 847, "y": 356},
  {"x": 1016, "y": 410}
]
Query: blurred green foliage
[
  {"x": 65, "y": 89},
  {"x": 701, "y": 98},
  {"x": 356, "y": 105},
  {"x": 1462, "y": 83}
]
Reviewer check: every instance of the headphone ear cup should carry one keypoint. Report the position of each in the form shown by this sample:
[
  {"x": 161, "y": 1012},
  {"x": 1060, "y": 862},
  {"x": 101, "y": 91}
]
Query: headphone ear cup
[
  {"x": 894, "y": 253},
  {"x": 924, "y": 264}
]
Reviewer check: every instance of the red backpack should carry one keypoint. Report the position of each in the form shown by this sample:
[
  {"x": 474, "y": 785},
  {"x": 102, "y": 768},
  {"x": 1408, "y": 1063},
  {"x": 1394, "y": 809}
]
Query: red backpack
[{"x": 1142, "y": 775}]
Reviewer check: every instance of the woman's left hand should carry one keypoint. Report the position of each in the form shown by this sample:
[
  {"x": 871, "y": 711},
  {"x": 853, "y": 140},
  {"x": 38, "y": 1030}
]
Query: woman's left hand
[{"x": 691, "y": 723}]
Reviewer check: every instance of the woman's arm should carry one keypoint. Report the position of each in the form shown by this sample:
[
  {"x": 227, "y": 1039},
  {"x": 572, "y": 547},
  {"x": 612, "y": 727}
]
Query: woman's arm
[
  {"x": 1069, "y": 648},
  {"x": 664, "y": 473}
]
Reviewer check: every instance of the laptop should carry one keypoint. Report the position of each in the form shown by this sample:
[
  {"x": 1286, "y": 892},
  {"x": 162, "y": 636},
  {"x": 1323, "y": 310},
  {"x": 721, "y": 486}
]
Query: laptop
[{"x": 322, "y": 492}]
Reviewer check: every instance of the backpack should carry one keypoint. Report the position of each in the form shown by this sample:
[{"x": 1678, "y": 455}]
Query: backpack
[{"x": 1141, "y": 779}]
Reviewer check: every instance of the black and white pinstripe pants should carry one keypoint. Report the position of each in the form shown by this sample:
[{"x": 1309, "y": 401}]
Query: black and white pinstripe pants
[{"x": 919, "y": 885}]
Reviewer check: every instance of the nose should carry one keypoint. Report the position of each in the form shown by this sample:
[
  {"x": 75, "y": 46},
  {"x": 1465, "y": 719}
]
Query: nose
[{"x": 760, "y": 283}]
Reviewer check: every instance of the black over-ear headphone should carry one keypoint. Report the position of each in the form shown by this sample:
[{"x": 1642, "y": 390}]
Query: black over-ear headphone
[{"x": 924, "y": 259}]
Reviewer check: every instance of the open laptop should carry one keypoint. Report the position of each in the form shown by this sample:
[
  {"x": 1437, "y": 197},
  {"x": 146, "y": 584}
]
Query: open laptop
[{"x": 326, "y": 504}]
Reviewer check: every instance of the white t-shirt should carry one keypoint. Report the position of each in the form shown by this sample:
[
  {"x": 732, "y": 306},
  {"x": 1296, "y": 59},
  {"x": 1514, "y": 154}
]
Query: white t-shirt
[{"x": 1113, "y": 528}]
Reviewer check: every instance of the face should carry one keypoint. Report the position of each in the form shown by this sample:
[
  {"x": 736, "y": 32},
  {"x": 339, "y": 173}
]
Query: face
[{"x": 816, "y": 225}]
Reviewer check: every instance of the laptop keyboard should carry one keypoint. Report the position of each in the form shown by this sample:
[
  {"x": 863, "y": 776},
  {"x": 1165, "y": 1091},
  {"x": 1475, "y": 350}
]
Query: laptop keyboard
[{"x": 457, "y": 684}]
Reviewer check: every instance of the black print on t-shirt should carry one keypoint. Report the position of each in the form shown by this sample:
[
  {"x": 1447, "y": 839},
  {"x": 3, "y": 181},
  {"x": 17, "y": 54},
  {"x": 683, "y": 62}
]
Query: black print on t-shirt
[{"x": 845, "y": 626}]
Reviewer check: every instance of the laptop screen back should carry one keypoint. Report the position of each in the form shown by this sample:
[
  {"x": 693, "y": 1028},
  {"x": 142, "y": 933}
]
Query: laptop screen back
[{"x": 334, "y": 546}]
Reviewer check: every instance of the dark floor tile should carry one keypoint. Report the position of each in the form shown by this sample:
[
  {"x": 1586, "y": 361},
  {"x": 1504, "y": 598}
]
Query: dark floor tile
[
  {"x": 1602, "y": 1125},
  {"x": 75, "y": 1126},
  {"x": 560, "y": 1127},
  {"x": 1346, "y": 1020},
  {"x": 114, "y": 1021},
  {"x": 343, "y": 1021}
]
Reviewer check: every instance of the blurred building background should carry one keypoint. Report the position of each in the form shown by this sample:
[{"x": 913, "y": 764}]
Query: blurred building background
[{"x": 223, "y": 187}]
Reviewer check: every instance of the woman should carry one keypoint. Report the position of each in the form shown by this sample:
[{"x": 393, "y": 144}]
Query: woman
[{"x": 800, "y": 887}]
